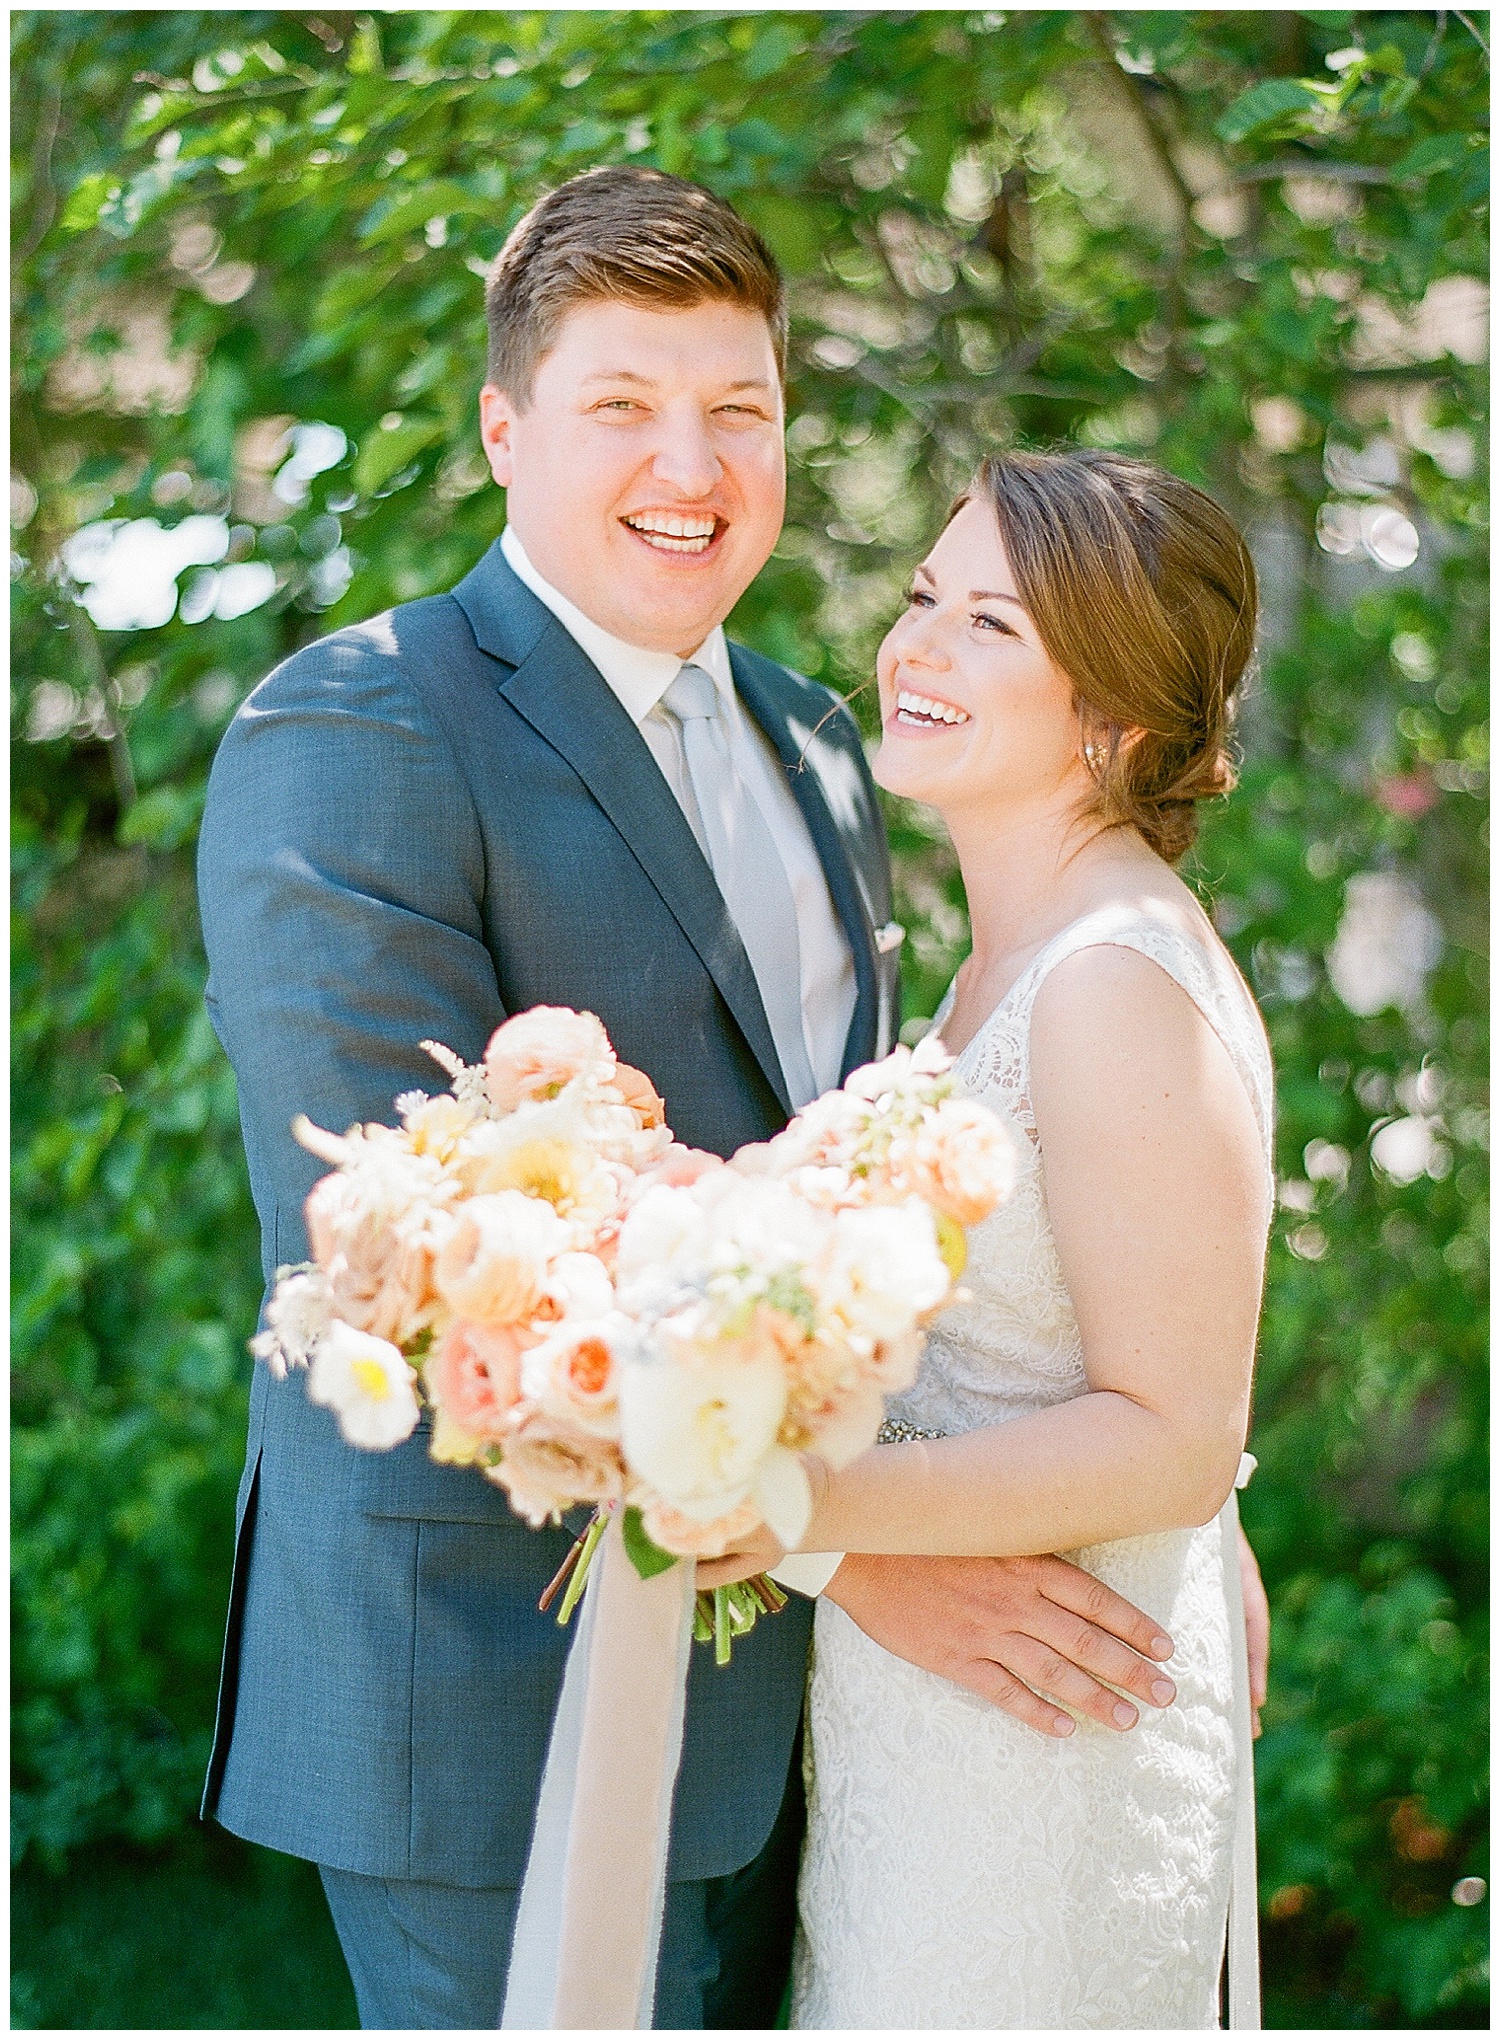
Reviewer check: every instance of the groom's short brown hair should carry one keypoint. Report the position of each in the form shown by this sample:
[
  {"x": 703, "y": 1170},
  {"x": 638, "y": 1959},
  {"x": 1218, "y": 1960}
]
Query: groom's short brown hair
[{"x": 629, "y": 233}]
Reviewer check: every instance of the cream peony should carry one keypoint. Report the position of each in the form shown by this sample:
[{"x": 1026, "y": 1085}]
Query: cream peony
[
  {"x": 884, "y": 1268},
  {"x": 578, "y": 1286},
  {"x": 493, "y": 1267},
  {"x": 538, "y": 1053},
  {"x": 700, "y": 1415},
  {"x": 665, "y": 1235},
  {"x": 367, "y": 1384}
]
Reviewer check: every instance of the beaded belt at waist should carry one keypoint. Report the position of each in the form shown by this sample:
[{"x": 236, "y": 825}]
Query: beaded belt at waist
[{"x": 894, "y": 1432}]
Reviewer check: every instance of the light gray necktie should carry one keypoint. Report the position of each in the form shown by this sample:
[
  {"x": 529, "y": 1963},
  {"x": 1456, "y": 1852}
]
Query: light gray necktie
[{"x": 748, "y": 868}]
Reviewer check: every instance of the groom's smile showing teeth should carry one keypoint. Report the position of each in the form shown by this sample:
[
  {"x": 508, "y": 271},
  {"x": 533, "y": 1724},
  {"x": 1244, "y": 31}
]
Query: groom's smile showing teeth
[
  {"x": 922, "y": 712},
  {"x": 675, "y": 531}
]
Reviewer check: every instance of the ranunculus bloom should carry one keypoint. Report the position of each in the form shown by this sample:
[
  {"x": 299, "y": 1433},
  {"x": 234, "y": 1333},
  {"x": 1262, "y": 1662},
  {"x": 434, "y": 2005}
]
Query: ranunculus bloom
[
  {"x": 367, "y": 1384},
  {"x": 547, "y": 1468},
  {"x": 493, "y": 1265},
  {"x": 537, "y": 1053},
  {"x": 474, "y": 1376},
  {"x": 572, "y": 1374}
]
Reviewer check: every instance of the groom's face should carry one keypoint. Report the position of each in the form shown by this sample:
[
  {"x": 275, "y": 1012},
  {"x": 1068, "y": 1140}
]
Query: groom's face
[{"x": 646, "y": 477}]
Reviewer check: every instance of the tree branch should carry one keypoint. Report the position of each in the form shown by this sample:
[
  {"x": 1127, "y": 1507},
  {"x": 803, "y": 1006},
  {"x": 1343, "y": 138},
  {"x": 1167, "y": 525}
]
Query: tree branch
[{"x": 1187, "y": 198}]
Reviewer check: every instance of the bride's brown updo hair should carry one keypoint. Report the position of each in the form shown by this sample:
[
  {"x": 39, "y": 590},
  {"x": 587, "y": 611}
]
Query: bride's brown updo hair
[{"x": 1143, "y": 593}]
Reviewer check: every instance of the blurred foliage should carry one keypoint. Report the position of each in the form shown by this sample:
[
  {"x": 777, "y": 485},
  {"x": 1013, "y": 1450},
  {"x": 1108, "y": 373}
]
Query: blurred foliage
[
  {"x": 215, "y": 1934},
  {"x": 1249, "y": 244}
]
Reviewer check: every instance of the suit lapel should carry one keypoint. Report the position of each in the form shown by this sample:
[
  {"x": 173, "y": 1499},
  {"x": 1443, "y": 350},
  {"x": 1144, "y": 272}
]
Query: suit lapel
[
  {"x": 833, "y": 797},
  {"x": 566, "y": 700}
]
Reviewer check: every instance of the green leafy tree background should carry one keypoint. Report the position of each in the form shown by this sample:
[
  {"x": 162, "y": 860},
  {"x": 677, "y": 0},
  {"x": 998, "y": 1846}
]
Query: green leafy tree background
[{"x": 248, "y": 337}]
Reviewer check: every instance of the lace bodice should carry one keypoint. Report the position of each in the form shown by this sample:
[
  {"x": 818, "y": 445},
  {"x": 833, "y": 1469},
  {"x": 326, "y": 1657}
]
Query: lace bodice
[{"x": 1013, "y": 1345}]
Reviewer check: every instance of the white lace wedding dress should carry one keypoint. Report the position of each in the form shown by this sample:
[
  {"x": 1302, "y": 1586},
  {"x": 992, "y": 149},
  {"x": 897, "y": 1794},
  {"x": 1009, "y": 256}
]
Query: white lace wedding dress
[{"x": 961, "y": 1870}]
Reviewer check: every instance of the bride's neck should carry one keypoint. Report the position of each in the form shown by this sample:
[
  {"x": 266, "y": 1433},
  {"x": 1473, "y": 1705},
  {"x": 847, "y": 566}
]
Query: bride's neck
[{"x": 1026, "y": 872}]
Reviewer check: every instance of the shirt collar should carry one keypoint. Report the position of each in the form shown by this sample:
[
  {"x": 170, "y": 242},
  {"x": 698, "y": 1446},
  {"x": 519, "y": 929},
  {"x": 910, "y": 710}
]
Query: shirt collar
[{"x": 637, "y": 676}]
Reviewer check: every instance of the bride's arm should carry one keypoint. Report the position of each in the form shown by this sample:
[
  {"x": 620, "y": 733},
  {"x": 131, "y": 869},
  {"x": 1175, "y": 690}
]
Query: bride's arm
[{"x": 1156, "y": 1189}]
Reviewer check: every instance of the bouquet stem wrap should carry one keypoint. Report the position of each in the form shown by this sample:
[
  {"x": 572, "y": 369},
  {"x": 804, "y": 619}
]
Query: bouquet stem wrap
[{"x": 590, "y": 1916}]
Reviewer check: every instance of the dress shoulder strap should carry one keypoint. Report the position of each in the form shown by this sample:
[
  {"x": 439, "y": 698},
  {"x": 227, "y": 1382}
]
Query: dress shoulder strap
[{"x": 1199, "y": 964}]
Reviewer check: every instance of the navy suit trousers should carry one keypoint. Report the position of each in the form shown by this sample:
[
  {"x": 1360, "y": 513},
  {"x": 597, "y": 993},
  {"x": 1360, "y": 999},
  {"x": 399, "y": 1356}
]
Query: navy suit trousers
[{"x": 425, "y": 1956}]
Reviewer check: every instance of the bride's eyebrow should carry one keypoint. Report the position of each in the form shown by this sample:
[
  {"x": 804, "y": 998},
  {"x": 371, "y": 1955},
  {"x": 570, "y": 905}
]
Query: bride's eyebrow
[{"x": 924, "y": 573}]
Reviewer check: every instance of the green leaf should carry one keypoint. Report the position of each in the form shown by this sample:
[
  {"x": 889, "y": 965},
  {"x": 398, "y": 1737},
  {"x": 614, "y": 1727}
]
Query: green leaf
[
  {"x": 1435, "y": 153},
  {"x": 86, "y": 201},
  {"x": 644, "y": 1553},
  {"x": 386, "y": 451},
  {"x": 165, "y": 818},
  {"x": 1274, "y": 99},
  {"x": 404, "y": 210}
]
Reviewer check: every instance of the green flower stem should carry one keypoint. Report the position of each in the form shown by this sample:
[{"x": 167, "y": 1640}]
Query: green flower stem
[
  {"x": 576, "y": 1585},
  {"x": 721, "y": 1625}
]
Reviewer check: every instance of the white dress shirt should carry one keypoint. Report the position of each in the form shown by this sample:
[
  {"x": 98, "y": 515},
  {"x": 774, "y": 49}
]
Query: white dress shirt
[{"x": 639, "y": 678}]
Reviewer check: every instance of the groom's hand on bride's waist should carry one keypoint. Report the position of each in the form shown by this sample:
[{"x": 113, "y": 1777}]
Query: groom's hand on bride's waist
[{"x": 1012, "y": 1630}]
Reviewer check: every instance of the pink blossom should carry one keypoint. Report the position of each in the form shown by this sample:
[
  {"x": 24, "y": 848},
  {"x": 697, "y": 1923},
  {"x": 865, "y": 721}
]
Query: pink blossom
[
  {"x": 475, "y": 1376},
  {"x": 640, "y": 1094},
  {"x": 494, "y": 1264},
  {"x": 537, "y": 1053},
  {"x": 689, "y": 1538},
  {"x": 548, "y": 1467}
]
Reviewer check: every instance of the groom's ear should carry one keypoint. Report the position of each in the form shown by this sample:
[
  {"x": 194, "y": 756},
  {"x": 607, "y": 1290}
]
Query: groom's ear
[{"x": 497, "y": 416}]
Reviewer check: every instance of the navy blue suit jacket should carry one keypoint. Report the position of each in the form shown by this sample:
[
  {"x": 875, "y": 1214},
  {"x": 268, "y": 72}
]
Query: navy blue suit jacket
[{"x": 415, "y": 827}]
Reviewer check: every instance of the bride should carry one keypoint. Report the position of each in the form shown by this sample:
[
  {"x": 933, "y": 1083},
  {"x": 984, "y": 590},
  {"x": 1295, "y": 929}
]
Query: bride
[{"x": 1059, "y": 689}]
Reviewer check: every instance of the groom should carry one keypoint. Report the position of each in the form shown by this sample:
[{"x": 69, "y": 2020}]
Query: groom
[{"x": 558, "y": 784}]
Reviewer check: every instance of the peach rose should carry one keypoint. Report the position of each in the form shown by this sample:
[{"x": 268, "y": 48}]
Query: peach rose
[
  {"x": 378, "y": 1264},
  {"x": 375, "y": 1226},
  {"x": 640, "y": 1094},
  {"x": 474, "y": 1377},
  {"x": 673, "y": 1531},
  {"x": 548, "y": 1467},
  {"x": 678, "y": 1167},
  {"x": 534, "y": 1055},
  {"x": 961, "y": 1160},
  {"x": 493, "y": 1266}
]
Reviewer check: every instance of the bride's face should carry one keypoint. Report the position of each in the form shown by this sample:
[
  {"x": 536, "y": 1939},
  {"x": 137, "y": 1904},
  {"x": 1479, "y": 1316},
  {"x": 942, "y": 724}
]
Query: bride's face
[{"x": 973, "y": 711}]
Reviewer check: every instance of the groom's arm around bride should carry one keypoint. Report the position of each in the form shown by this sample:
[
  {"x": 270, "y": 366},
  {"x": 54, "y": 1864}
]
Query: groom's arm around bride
[{"x": 482, "y": 802}]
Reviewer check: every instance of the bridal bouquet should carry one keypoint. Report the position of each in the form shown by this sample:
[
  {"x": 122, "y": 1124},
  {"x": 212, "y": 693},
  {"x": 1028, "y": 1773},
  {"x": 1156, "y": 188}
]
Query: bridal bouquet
[{"x": 597, "y": 1314}]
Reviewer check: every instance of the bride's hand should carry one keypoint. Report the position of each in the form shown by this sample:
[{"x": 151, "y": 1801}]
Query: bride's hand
[{"x": 754, "y": 1554}]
